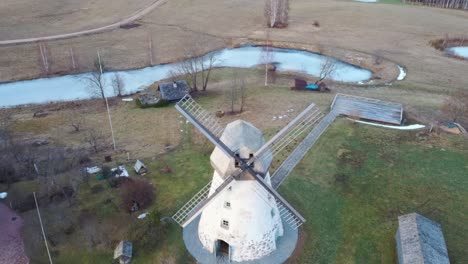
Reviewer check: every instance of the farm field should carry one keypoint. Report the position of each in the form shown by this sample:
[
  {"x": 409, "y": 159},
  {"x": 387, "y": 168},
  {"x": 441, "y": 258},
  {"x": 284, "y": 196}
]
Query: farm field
[{"x": 351, "y": 186}]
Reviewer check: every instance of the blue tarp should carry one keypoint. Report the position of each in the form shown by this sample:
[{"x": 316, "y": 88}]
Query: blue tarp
[{"x": 312, "y": 86}]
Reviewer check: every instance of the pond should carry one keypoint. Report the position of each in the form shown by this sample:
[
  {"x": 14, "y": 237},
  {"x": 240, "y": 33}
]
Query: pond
[
  {"x": 74, "y": 87},
  {"x": 459, "y": 51}
]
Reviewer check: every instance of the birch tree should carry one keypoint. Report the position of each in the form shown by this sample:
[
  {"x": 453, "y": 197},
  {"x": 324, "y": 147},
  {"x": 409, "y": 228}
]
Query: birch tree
[{"x": 276, "y": 13}]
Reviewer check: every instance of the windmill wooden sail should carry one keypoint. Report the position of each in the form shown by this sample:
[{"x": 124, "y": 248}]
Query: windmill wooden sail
[{"x": 208, "y": 125}]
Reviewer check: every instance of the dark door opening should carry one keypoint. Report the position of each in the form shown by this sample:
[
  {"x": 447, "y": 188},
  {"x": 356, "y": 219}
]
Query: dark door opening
[{"x": 223, "y": 248}]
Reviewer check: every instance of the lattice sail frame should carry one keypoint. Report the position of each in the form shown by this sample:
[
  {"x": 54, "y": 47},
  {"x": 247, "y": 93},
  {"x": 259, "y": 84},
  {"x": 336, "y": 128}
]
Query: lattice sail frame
[{"x": 209, "y": 126}]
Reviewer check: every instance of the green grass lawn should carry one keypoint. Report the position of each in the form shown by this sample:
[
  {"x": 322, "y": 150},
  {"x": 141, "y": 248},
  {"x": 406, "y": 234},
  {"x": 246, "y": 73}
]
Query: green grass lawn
[
  {"x": 351, "y": 187},
  {"x": 357, "y": 180}
]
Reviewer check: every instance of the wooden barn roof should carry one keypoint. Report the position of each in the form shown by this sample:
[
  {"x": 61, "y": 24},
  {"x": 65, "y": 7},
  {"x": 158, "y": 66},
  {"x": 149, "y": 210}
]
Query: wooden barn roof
[{"x": 368, "y": 108}]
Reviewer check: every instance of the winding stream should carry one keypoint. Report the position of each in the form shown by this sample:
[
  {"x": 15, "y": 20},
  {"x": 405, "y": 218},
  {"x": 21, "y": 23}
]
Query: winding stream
[
  {"x": 459, "y": 51},
  {"x": 74, "y": 87}
]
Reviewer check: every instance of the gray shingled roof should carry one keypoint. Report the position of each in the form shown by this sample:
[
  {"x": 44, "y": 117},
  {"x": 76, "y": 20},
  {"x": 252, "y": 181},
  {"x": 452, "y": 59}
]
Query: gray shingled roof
[
  {"x": 368, "y": 108},
  {"x": 420, "y": 241},
  {"x": 123, "y": 249},
  {"x": 173, "y": 90}
]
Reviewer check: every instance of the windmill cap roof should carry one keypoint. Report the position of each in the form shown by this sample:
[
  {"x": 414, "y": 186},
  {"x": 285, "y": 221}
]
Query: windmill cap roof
[{"x": 241, "y": 133}]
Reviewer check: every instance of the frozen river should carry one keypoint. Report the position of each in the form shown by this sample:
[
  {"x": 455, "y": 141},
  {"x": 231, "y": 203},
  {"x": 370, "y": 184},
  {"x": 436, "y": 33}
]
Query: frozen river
[
  {"x": 74, "y": 87},
  {"x": 459, "y": 51}
]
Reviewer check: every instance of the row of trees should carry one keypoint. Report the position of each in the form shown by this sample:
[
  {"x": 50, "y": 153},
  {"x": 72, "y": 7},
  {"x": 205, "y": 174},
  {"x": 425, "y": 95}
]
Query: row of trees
[{"x": 456, "y": 4}]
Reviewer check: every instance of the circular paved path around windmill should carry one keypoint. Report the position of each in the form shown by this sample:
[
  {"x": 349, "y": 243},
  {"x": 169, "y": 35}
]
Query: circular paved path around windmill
[{"x": 285, "y": 247}]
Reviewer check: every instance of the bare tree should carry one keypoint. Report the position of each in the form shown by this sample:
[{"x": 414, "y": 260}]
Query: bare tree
[
  {"x": 72, "y": 59},
  {"x": 456, "y": 106},
  {"x": 44, "y": 55},
  {"x": 206, "y": 65},
  {"x": 232, "y": 95},
  {"x": 455, "y": 4},
  {"x": 236, "y": 94},
  {"x": 327, "y": 68},
  {"x": 276, "y": 13},
  {"x": 267, "y": 55},
  {"x": 118, "y": 84},
  {"x": 95, "y": 139},
  {"x": 95, "y": 81},
  {"x": 242, "y": 93},
  {"x": 196, "y": 67},
  {"x": 75, "y": 119}
]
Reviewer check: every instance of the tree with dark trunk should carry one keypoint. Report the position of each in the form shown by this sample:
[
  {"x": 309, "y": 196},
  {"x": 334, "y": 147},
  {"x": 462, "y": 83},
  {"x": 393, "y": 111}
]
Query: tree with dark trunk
[
  {"x": 95, "y": 80},
  {"x": 118, "y": 85}
]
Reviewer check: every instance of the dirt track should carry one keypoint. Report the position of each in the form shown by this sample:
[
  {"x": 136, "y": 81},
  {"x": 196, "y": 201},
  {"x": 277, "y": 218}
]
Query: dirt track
[{"x": 112, "y": 26}]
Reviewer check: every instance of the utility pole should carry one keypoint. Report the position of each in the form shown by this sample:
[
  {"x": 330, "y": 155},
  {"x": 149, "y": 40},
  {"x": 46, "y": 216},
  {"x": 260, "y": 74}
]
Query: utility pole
[
  {"x": 42, "y": 228},
  {"x": 107, "y": 104}
]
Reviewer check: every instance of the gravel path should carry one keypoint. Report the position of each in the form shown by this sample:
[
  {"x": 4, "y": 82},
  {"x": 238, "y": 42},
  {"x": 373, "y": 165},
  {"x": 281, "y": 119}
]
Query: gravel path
[{"x": 285, "y": 247}]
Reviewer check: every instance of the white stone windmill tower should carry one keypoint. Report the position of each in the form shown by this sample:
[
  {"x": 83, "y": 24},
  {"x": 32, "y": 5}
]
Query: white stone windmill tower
[{"x": 242, "y": 215}]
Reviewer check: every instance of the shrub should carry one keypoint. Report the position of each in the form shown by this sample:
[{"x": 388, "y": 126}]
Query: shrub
[
  {"x": 106, "y": 172},
  {"x": 97, "y": 189},
  {"x": 160, "y": 103},
  {"x": 115, "y": 182},
  {"x": 137, "y": 192}
]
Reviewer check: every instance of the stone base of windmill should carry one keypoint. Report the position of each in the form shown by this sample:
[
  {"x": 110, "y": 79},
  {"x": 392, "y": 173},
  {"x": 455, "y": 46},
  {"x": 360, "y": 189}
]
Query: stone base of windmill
[{"x": 285, "y": 247}]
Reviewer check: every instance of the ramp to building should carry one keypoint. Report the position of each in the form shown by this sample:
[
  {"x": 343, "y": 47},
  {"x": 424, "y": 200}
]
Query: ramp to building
[{"x": 368, "y": 109}]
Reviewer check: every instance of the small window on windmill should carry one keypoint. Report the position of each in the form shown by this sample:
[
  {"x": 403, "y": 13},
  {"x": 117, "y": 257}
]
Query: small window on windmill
[
  {"x": 230, "y": 188},
  {"x": 250, "y": 155},
  {"x": 225, "y": 224},
  {"x": 236, "y": 163},
  {"x": 227, "y": 205}
]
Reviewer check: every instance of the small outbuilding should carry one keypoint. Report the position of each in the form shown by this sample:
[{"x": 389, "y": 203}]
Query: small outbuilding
[
  {"x": 173, "y": 91},
  {"x": 120, "y": 171},
  {"x": 123, "y": 252},
  {"x": 420, "y": 241},
  {"x": 140, "y": 168},
  {"x": 148, "y": 99}
]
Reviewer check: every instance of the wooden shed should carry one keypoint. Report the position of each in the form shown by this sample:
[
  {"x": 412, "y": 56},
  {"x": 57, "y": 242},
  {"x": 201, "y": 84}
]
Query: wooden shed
[
  {"x": 420, "y": 241},
  {"x": 368, "y": 109},
  {"x": 123, "y": 252}
]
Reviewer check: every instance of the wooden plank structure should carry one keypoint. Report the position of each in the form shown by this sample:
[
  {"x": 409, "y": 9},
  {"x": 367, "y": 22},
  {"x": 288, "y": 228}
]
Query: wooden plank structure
[{"x": 368, "y": 109}]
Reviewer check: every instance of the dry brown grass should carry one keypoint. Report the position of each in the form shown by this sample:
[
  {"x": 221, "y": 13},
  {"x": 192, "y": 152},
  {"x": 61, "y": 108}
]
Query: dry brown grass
[
  {"x": 27, "y": 19},
  {"x": 398, "y": 33}
]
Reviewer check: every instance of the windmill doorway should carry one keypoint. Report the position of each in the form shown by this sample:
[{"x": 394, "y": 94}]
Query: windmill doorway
[{"x": 222, "y": 249}]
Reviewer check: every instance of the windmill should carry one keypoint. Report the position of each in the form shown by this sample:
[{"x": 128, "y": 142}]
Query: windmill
[{"x": 242, "y": 215}]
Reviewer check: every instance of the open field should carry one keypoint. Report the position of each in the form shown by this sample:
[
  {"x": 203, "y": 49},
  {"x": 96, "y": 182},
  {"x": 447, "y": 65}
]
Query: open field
[
  {"x": 28, "y": 19},
  {"x": 399, "y": 33}
]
